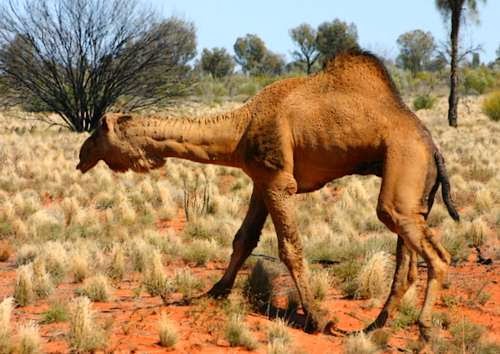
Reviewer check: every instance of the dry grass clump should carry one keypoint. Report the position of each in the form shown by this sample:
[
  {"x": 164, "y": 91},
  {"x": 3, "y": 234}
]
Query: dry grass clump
[
  {"x": 79, "y": 267},
  {"x": 186, "y": 283},
  {"x": 155, "y": 280},
  {"x": 140, "y": 254},
  {"x": 320, "y": 284},
  {"x": 23, "y": 288},
  {"x": 42, "y": 282},
  {"x": 373, "y": 280},
  {"x": 56, "y": 260},
  {"x": 85, "y": 335},
  {"x": 29, "y": 340},
  {"x": 238, "y": 334},
  {"x": 116, "y": 268},
  {"x": 278, "y": 332},
  {"x": 96, "y": 288},
  {"x": 26, "y": 254},
  {"x": 6, "y": 307},
  {"x": 360, "y": 343},
  {"x": 167, "y": 331},
  {"x": 202, "y": 251}
]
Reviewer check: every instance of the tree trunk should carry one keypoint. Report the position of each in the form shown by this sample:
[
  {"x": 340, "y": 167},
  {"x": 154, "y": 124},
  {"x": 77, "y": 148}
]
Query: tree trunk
[{"x": 456, "y": 14}]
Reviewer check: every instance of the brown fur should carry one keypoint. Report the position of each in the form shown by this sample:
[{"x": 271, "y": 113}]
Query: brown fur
[{"x": 293, "y": 137}]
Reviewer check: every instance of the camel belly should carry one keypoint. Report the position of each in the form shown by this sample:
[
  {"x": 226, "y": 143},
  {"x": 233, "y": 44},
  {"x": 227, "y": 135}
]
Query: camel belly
[{"x": 313, "y": 170}]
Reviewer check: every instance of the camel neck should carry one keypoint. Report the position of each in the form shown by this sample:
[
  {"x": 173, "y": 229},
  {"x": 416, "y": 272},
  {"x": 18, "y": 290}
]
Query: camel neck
[{"x": 211, "y": 139}]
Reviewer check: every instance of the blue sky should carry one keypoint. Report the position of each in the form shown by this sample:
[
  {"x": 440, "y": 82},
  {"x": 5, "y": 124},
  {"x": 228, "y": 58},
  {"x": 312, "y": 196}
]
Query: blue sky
[{"x": 379, "y": 23}]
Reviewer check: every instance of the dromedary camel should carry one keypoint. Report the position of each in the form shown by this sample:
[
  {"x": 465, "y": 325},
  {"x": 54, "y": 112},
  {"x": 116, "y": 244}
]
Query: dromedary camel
[{"x": 295, "y": 136}]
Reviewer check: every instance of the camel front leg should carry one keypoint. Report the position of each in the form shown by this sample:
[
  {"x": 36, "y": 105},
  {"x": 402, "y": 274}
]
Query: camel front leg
[
  {"x": 245, "y": 241},
  {"x": 279, "y": 201}
]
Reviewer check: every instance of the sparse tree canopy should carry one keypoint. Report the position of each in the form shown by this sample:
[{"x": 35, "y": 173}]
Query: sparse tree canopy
[
  {"x": 455, "y": 10},
  {"x": 304, "y": 37},
  {"x": 416, "y": 49},
  {"x": 217, "y": 62},
  {"x": 254, "y": 57},
  {"x": 80, "y": 56},
  {"x": 250, "y": 51},
  {"x": 334, "y": 37}
]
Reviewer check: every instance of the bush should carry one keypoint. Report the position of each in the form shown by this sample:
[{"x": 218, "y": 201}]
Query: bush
[
  {"x": 426, "y": 101},
  {"x": 491, "y": 106},
  {"x": 477, "y": 81}
]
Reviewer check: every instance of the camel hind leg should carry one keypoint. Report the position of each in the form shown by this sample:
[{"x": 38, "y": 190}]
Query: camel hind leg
[
  {"x": 405, "y": 277},
  {"x": 402, "y": 209}
]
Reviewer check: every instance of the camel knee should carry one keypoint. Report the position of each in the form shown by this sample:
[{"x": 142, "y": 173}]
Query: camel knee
[{"x": 386, "y": 215}]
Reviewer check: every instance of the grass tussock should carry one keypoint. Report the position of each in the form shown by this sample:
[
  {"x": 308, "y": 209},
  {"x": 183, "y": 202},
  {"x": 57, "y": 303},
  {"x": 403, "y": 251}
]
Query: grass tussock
[
  {"x": 96, "y": 288},
  {"x": 186, "y": 283},
  {"x": 6, "y": 307},
  {"x": 29, "y": 340},
  {"x": 85, "y": 335},
  {"x": 167, "y": 332},
  {"x": 360, "y": 344},
  {"x": 373, "y": 280},
  {"x": 23, "y": 288},
  {"x": 238, "y": 334},
  {"x": 155, "y": 280},
  {"x": 278, "y": 332}
]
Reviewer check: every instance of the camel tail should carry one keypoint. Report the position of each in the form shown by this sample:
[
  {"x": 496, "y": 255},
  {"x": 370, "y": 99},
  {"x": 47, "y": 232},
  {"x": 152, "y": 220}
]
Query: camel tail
[{"x": 445, "y": 186}]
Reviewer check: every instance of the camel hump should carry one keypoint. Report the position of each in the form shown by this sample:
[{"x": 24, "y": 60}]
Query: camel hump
[{"x": 356, "y": 65}]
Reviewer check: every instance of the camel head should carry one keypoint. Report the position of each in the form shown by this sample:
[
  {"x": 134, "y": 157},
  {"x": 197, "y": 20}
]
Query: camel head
[{"x": 108, "y": 144}]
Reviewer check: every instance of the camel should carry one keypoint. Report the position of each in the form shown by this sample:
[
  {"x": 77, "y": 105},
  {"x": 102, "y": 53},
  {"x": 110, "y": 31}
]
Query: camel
[{"x": 293, "y": 137}]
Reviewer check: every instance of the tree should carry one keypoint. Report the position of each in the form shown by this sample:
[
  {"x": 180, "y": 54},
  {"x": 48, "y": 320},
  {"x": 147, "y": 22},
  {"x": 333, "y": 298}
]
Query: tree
[
  {"x": 304, "y": 37},
  {"x": 79, "y": 57},
  {"x": 416, "y": 49},
  {"x": 334, "y": 37},
  {"x": 254, "y": 57},
  {"x": 217, "y": 62},
  {"x": 250, "y": 51},
  {"x": 455, "y": 10},
  {"x": 272, "y": 64}
]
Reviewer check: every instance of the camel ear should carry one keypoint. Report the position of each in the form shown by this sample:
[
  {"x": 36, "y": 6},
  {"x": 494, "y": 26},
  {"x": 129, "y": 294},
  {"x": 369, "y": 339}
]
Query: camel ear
[{"x": 107, "y": 123}]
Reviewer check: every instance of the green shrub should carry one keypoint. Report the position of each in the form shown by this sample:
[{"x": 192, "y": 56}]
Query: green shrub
[
  {"x": 57, "y": 312},
  {"x": 491, "y": 106},
  {"x": 477, "y": 81},
  {"x": 426, "y": 101}
]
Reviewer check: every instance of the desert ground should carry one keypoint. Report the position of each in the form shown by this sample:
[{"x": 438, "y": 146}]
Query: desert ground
[{"x": 140, "y": 247}]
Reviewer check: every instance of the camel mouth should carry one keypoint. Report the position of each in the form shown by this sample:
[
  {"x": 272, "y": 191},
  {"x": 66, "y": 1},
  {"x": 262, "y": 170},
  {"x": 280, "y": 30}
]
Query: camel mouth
[{"x": 84, "y": 167}]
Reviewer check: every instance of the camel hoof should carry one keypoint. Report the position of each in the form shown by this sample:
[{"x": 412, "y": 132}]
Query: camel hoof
[
  {"x": 425, "y": 332},
  {"x": 311, "y": 326},
  {"x": 332, "y": 330},
  {"x": 378, "y": 323},
  {"x": 218, "y": 292}
]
